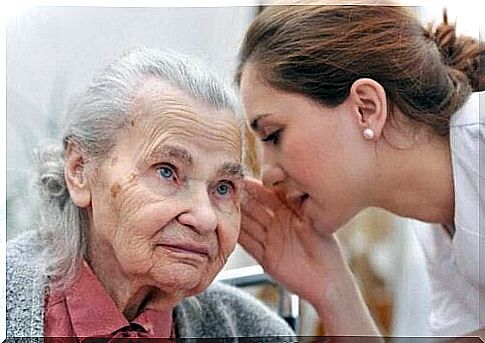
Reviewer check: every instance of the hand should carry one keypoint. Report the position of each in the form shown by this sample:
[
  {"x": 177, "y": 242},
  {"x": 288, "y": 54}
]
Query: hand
[
  {"x": 305, "y": 261},
  {"x": 287, "y": 245}
]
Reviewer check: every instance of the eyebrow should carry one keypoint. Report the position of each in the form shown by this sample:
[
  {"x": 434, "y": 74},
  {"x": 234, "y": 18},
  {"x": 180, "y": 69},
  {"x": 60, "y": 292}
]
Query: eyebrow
[
  {"x": 233, "y": 169},
  {"x": 172, "y": 152},
  {"x": 179, "y": 153}
]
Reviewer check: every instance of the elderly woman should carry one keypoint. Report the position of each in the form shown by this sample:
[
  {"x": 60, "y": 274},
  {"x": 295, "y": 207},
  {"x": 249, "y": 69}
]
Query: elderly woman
[{"x": 141, "y": 212}]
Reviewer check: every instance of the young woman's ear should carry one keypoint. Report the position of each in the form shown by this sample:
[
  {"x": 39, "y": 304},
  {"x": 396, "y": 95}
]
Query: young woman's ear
[
  {"x": 75, "y": 175},
  {"x": 369, "y": 105}
]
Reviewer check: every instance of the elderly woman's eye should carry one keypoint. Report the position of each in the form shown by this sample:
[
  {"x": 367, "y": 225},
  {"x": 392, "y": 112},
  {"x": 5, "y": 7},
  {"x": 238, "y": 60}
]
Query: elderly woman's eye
[
  {"x": 224, "y": 188},
  {"x": 166, "y": 171}
]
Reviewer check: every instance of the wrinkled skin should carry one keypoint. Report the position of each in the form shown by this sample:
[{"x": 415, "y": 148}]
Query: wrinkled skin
[{"x": 172, "y": 180}]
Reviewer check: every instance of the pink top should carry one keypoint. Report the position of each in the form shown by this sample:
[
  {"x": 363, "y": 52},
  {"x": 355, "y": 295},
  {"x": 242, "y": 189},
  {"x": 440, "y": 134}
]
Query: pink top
[{"x": 85, "y": 310}]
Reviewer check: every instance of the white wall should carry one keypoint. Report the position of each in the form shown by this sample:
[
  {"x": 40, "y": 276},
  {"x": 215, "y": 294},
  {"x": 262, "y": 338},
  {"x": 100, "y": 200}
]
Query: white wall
[{"x": 53, "y": 52}]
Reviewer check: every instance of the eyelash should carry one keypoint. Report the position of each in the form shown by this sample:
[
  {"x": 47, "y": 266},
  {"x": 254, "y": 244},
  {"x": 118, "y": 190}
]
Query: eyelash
[
  {"x": 171, "y": 168},
  {"x": 273, "y": 137},
  {"x": 174, "y": 177},
  {"x": 225, "y": 182}
]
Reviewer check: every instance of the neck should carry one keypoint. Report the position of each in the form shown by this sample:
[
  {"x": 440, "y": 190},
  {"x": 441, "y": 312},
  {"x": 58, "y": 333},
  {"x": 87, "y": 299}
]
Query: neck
[
  {"x": 420, "y": 177},
  {"x": 131, "y": 296}
]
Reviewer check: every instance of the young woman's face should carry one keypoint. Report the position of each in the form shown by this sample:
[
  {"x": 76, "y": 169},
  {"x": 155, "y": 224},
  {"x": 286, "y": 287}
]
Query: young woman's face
[{"x": 310, "y": 152}]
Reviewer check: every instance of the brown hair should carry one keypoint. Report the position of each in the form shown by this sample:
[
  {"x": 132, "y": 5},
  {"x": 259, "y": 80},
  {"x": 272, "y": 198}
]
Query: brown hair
[{"x": 319, "y": 51}]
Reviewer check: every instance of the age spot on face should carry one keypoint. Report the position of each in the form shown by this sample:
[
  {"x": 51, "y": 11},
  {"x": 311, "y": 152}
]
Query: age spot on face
[{"x": 115, "y": 190}]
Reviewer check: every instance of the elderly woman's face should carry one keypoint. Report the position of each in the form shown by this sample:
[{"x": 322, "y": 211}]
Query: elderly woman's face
[{"x": 165, "y": 204}]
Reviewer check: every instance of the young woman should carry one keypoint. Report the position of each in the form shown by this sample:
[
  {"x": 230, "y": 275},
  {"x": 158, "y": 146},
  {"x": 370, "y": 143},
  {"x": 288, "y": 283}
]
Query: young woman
[{"x": 361, "y": 106}]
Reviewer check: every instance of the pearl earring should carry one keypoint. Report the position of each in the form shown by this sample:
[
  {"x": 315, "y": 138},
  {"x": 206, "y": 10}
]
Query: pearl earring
[{"x": 369, "y": 133}]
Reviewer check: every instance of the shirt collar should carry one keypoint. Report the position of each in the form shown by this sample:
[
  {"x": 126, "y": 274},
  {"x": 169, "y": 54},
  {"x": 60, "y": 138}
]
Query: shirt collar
[{"x": 94, "y": 313}]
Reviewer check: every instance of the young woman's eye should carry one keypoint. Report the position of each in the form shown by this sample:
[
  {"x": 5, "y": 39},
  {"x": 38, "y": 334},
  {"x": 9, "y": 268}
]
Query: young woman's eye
[
  {"x": 273, "y": 137},
  {"x": 224, "y": 188},
  {"x": 166, "y": 171}
]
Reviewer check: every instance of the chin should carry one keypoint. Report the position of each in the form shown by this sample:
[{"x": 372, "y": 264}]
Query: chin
[
  {"x": 328, "y": 219},
  {"x": 183, "y": 278},
  {"x": 325, "y": 224}
]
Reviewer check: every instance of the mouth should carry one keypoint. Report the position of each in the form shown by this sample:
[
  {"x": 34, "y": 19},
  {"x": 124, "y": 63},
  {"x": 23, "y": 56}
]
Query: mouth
[
  {"x": 297, "y": 202},
  {"x": 303, "y": 201},
  {"x": 191, "y": 250}
]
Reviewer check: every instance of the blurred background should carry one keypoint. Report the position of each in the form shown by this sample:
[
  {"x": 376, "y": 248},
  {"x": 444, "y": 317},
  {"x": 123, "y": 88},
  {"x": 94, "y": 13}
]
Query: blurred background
[{"x": 53, "y": 52}]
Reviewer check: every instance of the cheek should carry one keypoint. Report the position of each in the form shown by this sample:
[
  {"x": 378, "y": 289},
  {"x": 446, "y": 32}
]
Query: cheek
[
  {"x": 143, "y": 205},
  {"x": 141, "y": 217},
  {"x": 302, "y": 164},
  {"x": 190, "y": 280},
  {"x": 314, "y": 156},
  {"x": 228, "y": 233},
  {"x": 149, "y": 218},
  {"x": 227, "y": 236}
]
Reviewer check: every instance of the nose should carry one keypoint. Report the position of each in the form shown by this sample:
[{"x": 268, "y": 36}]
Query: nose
[
  {"x": 272, "y": 175},
  {"x": 199, "y": 214}
]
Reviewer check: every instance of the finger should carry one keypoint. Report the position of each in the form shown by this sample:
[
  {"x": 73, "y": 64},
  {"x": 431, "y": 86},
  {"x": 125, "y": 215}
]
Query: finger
[
  {"x": 257, "y": 211},
  {"x": 269, "y": 209},
  {"x": 252, "y": 246},
  {"x": 252, "y": 179},
  {"x": 283, "y": 197},
  {"x": 253, "y": 228},
  {"x": 260, "y": 193},
  {"x": 275, "y": 198}
]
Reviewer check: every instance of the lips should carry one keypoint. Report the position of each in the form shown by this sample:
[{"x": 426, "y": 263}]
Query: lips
[
  {"x": 196, "y": 250},
  {"x": 296, "y": 201}
]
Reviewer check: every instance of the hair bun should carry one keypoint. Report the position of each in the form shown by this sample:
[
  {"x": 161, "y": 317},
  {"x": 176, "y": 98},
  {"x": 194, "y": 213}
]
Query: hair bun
[
  {"x": 51, "y": 173},
  {"x": 53, "y": 184},
  {"x": 460, "y": 53}
]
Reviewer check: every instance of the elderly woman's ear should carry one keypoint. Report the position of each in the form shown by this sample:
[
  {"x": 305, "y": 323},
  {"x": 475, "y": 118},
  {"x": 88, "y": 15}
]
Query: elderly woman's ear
[{"x": 75, "y": 175}]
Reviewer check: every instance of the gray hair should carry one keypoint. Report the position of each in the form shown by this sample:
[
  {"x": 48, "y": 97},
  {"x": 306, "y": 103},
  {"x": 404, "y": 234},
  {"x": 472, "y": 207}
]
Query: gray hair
[{"x": 94, "y": 121}]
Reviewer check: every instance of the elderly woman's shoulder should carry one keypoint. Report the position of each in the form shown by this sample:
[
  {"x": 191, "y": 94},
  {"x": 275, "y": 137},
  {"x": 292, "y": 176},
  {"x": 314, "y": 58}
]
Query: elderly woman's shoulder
[
  {"x": 23, "y": 249},
  {"x": 225, "y": 311},
  {"x": 25, "y": 285},
  {"x": 25, "y": 245},
  {"x": 24, "y": 270},
  {"x": 23, "y": 261}
]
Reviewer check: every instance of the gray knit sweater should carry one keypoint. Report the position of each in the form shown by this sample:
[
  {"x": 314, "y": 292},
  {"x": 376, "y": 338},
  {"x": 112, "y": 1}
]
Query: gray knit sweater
[{"x": 220, "y": 311}]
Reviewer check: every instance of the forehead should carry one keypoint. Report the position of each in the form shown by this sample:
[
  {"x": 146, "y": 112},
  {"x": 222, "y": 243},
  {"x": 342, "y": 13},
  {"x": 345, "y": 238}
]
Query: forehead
[
  {"x": 165, "y": 114},
  {"x": 251, "y": 85},
  {"x": 261, "y": 99},
  {"x": 258, "y": 96}
]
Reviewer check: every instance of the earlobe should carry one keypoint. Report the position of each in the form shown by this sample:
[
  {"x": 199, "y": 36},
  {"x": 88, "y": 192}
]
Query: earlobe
[
  {"x": 368, "y": 99},
  {"x": 75, "y": 175}
]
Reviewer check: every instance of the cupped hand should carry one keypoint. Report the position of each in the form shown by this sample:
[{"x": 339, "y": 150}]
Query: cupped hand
[{"x": 286, "y": 244}]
